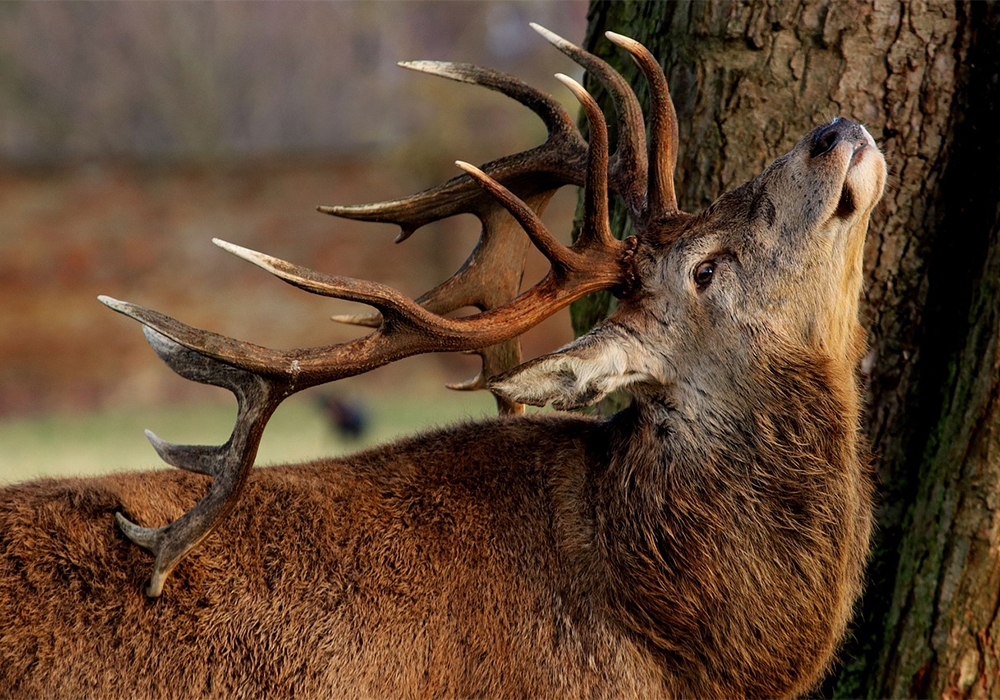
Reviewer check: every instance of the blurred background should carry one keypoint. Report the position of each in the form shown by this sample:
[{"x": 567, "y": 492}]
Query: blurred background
[{"x": 133, "y": 133}]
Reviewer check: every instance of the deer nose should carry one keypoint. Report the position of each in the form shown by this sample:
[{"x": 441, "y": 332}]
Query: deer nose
[
  {"x": 826, "y": 138},
  {"x": 840, "y": 129}
]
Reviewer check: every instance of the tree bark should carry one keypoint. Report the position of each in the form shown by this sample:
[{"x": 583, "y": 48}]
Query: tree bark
[{"x": 748, "y": 79}]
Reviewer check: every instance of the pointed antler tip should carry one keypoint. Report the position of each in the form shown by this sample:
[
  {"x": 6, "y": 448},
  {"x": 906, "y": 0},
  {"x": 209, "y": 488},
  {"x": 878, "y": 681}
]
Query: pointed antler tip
[
  {"x": 157, "y": 442},
  {"x": 226, "y": 245},
  {"x": 616, "y": 37},
  {"x": 420, "y": 65},
  {"x": 622, "y": 41},
  {"x": 468, "y": 167},
  {"x": 122, "y": 307},
  {"x": 350, "y": 211},
  {"x": 549, "y": 35},
  {"x": 474, "y": 384},
  {"x": 165, "y": 347},
  {"x": 566, "y": 80},
  {"x": 442, "y": 69},
  {"x": 241, "y": 252},
  {"x": 552, "y": 37},
  {"x": 365, "y": 320},
  {"x": 423, "y": 66},
  {"x": 146, "y": 537},
  {"x": 341, "y": 209},
  {"x": 576, "y": 88}
]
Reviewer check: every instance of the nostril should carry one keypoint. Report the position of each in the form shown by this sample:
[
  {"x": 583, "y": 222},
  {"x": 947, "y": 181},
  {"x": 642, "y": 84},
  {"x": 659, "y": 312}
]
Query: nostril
[{"x": 825, "y": 140}]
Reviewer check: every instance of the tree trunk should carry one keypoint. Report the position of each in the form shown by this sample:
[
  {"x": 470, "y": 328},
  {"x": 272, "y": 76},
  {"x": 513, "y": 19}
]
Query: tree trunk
[{"x": 748, "y": 79}]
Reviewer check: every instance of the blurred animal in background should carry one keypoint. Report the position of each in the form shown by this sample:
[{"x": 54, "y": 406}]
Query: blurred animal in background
[{"x": 346, "y": 417}]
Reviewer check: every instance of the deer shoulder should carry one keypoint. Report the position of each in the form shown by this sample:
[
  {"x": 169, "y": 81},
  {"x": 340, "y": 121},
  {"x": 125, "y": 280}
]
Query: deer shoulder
[{"x": 709, "y": 540}]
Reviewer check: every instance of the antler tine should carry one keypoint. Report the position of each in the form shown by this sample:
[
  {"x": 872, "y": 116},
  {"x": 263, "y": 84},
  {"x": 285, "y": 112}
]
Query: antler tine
[
  {"x": 559, "y": 161},
  {"x": 497, "y": 359},
  {"x": 474, "y": 285},
  {"x": 228, "y": 464},
  {"x": 368, "y": 320},
  {"x": 628, "y": 165},
  {"x": 557, "y": 254},
  {"x": 596, "y": 228},
  {"x": 595, "y": 262},
  {"x": 386, "y": 299},
  {"x": 661, "y": 198}
]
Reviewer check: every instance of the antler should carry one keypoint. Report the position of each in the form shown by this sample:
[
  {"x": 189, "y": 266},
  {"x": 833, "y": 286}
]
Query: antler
[
  {"x": 492, "y": 274},
  {"x": 506, "y": 195}
]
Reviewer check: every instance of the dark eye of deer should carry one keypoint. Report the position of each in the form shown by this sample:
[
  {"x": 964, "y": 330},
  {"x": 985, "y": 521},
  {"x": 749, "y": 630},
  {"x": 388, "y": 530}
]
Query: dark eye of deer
[{"x": 703, "y": 274}]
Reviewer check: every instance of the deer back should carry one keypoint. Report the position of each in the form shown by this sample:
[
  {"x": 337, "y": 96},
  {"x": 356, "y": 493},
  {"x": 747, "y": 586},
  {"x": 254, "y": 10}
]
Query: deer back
[{"x": 399, "y": 571}]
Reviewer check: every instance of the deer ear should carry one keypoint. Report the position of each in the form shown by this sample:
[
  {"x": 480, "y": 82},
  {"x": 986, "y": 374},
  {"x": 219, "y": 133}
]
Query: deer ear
[{"x": 581, "y": 374}]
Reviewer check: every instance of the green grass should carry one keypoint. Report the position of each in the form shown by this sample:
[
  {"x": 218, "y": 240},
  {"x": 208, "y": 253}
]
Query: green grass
[{"x": 112, "y": 441}]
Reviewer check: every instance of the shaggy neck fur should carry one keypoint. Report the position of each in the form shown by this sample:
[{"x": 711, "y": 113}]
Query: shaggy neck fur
[{"x": 742, "y": 556}]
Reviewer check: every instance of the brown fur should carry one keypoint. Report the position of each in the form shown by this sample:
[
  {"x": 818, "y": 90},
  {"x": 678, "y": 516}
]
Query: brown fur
[{"x": 708, "y": 541}]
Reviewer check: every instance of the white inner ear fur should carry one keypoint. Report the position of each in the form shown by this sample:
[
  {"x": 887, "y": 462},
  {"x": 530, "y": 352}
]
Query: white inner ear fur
[{"x": 580, "y": 374}]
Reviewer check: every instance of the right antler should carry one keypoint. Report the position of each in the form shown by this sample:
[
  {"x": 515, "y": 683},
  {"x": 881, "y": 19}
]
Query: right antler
[{"x": 506, "y": 195}]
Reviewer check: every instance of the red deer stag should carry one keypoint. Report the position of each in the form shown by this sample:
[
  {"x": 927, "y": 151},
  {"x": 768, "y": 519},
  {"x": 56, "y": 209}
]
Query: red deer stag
[{"x": 706, "y": 541}]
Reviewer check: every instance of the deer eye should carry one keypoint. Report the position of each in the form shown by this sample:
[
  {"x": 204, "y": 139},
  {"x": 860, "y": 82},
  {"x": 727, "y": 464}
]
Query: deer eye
[{"x": 703, "y": 274}]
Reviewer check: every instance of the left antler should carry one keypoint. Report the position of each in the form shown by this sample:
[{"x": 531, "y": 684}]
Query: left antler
[{"x": 504, "y": 193}]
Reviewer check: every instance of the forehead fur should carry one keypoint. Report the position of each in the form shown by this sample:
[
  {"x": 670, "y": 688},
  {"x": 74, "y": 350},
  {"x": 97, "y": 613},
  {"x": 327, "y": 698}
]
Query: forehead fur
[{"x": 732, "y": 217}]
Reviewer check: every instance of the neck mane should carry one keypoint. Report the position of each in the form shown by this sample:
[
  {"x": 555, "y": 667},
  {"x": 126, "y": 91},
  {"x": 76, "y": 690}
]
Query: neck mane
[{"x": 737, "y": 514}]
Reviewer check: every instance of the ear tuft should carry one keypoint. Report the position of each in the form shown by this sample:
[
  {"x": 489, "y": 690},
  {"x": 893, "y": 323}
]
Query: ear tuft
[
  {"x": 554, "y": 379},
  {"x": 581, "y": 374}
]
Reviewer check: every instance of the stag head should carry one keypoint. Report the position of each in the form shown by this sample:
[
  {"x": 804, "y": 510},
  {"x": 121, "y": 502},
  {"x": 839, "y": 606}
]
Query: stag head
[{"x": 771, "y": 267}]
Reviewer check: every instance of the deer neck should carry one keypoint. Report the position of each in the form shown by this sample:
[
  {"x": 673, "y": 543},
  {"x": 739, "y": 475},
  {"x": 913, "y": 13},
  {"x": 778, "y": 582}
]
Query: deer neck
[{"x": 681, "y": 488}]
